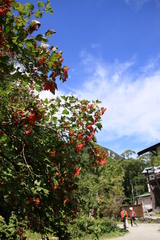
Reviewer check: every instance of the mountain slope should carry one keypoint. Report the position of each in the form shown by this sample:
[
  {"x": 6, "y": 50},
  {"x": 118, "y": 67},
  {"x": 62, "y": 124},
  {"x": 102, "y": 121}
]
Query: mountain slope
[{"x": 111, "y": 153}]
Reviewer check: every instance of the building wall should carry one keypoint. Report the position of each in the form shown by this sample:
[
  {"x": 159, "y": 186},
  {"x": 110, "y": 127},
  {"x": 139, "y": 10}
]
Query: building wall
[
  {"x": 147, "y": 201},
  {"x": 137, "y": 208}
]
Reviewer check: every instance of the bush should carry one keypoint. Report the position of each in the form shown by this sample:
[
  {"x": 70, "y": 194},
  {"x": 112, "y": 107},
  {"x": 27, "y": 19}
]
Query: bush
[
  {"x": 9, "y": 231},
  {"x": 99, "y": 227},
  {"x": 95, "y": 228}
]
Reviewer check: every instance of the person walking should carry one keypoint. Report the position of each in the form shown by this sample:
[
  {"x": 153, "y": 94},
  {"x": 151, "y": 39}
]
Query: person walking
[
  {"x": 132, "y": 216},
  {"x": 124, "y": 217}
]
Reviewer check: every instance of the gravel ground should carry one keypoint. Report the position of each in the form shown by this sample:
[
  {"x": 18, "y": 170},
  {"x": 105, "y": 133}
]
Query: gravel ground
[{"x": 144, "y": 231}]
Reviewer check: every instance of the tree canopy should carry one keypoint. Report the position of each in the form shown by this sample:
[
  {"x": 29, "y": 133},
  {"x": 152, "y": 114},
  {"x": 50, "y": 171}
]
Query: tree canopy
[{"x": 41, "y": 141}]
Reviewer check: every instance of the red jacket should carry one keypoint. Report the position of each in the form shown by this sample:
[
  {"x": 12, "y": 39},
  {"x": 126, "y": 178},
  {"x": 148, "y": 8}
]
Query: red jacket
[
  {"x": 122, "y": 214},
  {"x": 132, "y": 214}
]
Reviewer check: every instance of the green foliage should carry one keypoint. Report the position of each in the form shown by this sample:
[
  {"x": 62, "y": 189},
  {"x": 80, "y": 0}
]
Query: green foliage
[
  {"x": 153, "y": 161},
  {"x": 9, "y": 231},
  {"x": 93, "y": 228},
  {"x": 134, "y": 181},
  {"x": 111, "y": 184},
  {"x": 101, "y": 188},
  {"x": 41, "y": 141},
  {"x": 126, "y": 154},
  {"x": 99, "y": 227}
]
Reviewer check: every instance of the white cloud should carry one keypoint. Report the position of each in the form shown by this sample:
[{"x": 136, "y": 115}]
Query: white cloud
[
  {"x": 96, "y": 45},
  {"x": 137, "y": 4},
  {"x": 132, "y": 100},
  {"x": 47, "y": 94}
]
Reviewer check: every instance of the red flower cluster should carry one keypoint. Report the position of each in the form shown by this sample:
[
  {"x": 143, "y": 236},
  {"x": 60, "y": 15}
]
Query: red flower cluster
[
  {"x": 100, "y": 158},
  {"x": 77, "y": 171},
  {"x": 80, "y": 136},
  {"x": 26, "y": 31},
  {"x": 2, "y": 38},
  {"x": 89, "y": 138},
  {"x": 96, "y": 150},
  {"x": 2, "y": 133},
  {"x": 5, "y": 7},
  {"x": 37, "y": 202},
  {"x": 103, "y": 110},
  {"x": 3, "y": 183},
  {"x": 42, "y": 60},
  {"x": 89, "y": 126},
  {"x": 65, "y": 73},
  {"x": 71, "y": 133},
  {"x": 28, "y": 131},
  {"x": 75, "y": 208},
  {"x": 20, "y": 232},
  {"x": 104, "y": 155},
  {"x": 57, "y": 173},
  {"x": 102, "y": 162},
  {"x": 54, "y": 75},
  {"x": 49, "y": 86},
  {"x": 79, "y": 147},
  {"x": 52, "y": 154},
  {"x": 35, "y": 116},
  {"x": 32, "y": 118},
  {"x": 90, "y": 106},
  {"x": 39, "y": 223},
  {"x": 30, "y": 200}
]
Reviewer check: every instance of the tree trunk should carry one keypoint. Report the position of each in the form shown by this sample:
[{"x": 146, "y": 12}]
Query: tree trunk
[{"x": 132, "y": 190}]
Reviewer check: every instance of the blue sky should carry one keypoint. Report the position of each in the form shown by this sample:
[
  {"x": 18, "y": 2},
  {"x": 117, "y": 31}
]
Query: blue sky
[{"x": 113, "y": 50}]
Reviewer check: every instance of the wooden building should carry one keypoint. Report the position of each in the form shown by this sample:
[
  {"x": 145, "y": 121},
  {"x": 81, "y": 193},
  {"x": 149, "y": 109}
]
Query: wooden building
[
  {"x": 153, "y": 177},
  {"x": 153, "y": 180},
  {"x": 146, "y": 201}
]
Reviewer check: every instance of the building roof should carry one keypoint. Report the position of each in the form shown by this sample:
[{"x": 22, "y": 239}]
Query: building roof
[
  {"x": 149, "y": 170},
  {"x": 155, "y": 149},
  {"x": 144, "y": 195}
]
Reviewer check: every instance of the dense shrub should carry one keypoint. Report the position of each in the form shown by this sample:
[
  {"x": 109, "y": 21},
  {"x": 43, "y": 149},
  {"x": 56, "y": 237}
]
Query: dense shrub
[
  {"x": 94, "y": 228},
  {"x": 12, "y": 229}
]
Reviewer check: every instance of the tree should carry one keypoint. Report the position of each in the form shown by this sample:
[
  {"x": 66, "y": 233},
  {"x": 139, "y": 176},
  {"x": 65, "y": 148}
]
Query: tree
[
  {"x": 111, "y": 187},
  {"x": 41, "y": 141},
  {"x": 126, "y": 154},
  {"x": 134, "y": 181},
  {"x": 101, "y": 188},
  {"x": 151, "y": 160}
]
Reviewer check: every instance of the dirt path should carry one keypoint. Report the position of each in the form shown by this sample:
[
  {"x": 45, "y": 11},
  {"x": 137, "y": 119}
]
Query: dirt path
[{"x": 142, "y": 232}]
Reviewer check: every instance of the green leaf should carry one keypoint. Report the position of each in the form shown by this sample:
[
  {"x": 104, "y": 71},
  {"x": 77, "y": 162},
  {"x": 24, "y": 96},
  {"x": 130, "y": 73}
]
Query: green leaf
[
  {"x": 46, "y": 191},
  {"x": 99, "y": 125},
  {"x": 41, "y": 38},
  {"x": 65, "y": 111},
  {"x": 29, "y": 6},
  {"x": 38, "y": 88},
  {"x": 50, "y": 10},
  {"x": 54, "y": 119},
  {"x": 46, "y": 100},
  {"x": 39, "y": 189},
  {"x": 19, "y": 7},
  {"x": 38, "y": 14},
  {"x": 98, "y": 102},
  {"x": 40, "y": 4},
  {"x": 50, "y": 32},
  {"x": 14, "y": 5},
  {"x": 53, "y": 57},
  {"x": 38, "y": 183},
  {"x": 8, "y": 28}
]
